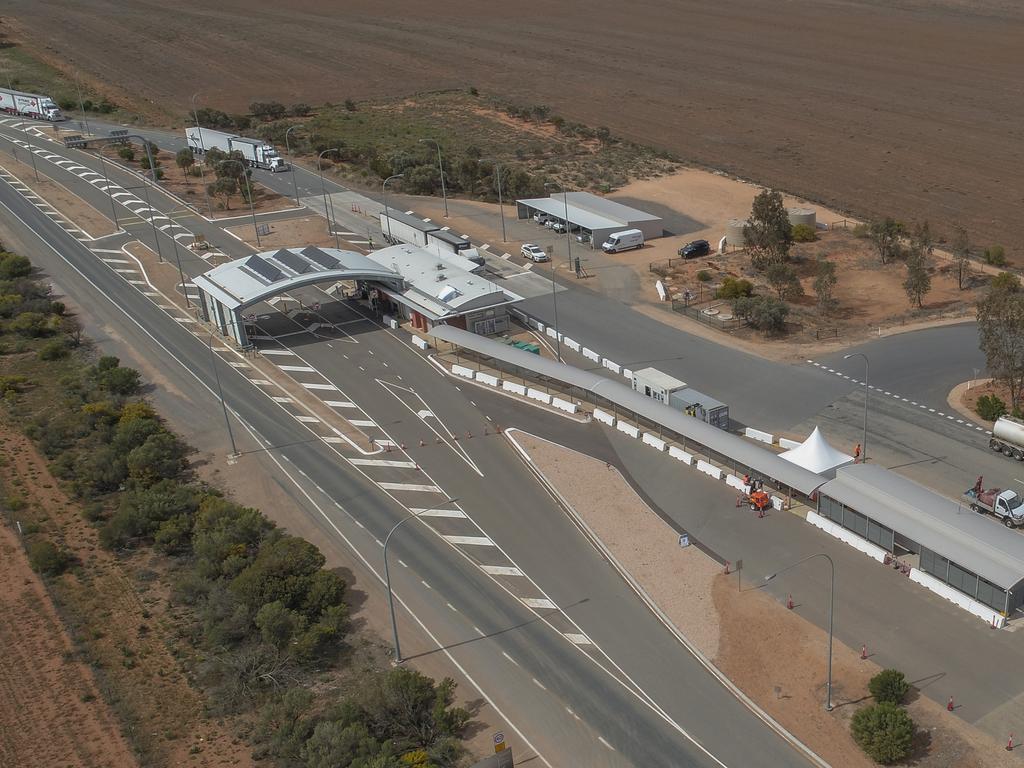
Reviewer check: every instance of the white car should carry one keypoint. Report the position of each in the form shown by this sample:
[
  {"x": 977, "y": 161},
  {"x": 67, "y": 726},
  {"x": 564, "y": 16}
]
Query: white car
[
  {"x": 541, "y": 218},
  {"x": 558, "y": 226},
  {"x": 533, "y": 252}
]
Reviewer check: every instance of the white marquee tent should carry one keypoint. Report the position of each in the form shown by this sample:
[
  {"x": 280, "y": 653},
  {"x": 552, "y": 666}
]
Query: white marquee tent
[{"x": 817, "y": 455}]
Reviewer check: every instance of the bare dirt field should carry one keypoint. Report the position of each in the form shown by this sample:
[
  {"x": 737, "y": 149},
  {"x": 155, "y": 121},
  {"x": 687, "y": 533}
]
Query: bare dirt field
[{"x": 910, "y": 110}]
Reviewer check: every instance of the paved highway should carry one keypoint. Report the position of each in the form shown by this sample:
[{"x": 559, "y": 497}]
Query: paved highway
[{"x": 575, "y": 710}]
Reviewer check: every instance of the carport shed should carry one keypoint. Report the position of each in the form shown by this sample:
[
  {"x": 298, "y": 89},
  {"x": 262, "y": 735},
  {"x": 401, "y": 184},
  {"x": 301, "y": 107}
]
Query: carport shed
[{"x": 597, "y": 216}]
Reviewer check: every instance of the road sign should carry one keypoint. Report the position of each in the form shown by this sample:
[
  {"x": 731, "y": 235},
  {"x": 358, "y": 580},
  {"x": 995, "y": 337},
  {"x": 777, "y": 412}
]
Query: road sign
[
  {"x": 499, "y": 742},
  {"x": 684, "y": 540}
]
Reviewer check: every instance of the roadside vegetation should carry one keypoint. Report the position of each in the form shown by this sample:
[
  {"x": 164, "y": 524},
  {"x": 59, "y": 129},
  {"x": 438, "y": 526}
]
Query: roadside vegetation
[
  {"x": 366, "y": 142},
  {"x": 247, "y": 613},
  {"x": 884, "y": 730},
  {"x": 1001, "y": 328}
]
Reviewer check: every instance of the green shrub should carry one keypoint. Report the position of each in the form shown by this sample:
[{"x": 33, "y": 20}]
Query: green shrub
[
  {"x": 704, "y": 276},
  {"x": 889, "y": 685},
  {"x": 765, "y": 313},
  {"x": 804, "y": 233},
  {"x": 54, "y": 350},
  {"x": 990, "y": 407},
  {"x": 13, "y": 384},
  {"x": 126, "y": 153},
  {"x": 731, "y": 288},
  {"x": 31, "y": 324},
  {"x": 47, "y": 558},
  {"x": 995, "y": 255},
  {"x": 861, "y": 231},
  {"x": 13, "y": 266},
  {"x": 883, "y": 731},
  {"x": 1007, "y": 282}
]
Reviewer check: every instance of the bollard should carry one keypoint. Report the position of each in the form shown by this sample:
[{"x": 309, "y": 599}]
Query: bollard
[
  {"x": 418, "y": 467},
  {"x": 863, "y": 652},
  {"x": 468, "y": 434},
  {"x": 402, "y": 446},
  {"x": 949, "y": 705},
  {"x": 437, "y": 440},
  {"x": 789, "y": 602},
  {"x": 422, "y": 443},
  {"x": 1009, "y": 744},
  {"x": 726, "y": 567}
]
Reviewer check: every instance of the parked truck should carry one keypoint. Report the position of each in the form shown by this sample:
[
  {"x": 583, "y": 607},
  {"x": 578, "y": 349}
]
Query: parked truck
[
  {"x": 1006, "y": 505},
  {"x": 30, "y": 105},
  {"x": 257, "y": 153},
  {"x": 1008, "y": 437}
]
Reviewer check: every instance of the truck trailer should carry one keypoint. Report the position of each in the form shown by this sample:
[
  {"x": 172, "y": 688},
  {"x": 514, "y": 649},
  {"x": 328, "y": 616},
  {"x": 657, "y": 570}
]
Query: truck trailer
[
  {"x": 1008, "y": 437},
  {"x": 29, "y": 105},
  {"x": 257, "y": 153}
]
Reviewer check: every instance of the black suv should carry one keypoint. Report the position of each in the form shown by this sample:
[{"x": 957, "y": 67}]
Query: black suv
[{"x": 695, "y": 249}]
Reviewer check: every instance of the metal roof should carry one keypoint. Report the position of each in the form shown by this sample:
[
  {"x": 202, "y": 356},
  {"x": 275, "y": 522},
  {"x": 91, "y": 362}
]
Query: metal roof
[
  {"x": 250, "y": 280},
  {"x": 410, "y": 219},
  {"x": 658, "y": 378},
  {"x": 759, "y": 459},
  {"x": 605, "y": 206},
  {"x": 947, "y": 527},
  {"x": 450, "y": 237},
  {"x": 589, "y": 211},
  {"x": 578, "y": 216}
]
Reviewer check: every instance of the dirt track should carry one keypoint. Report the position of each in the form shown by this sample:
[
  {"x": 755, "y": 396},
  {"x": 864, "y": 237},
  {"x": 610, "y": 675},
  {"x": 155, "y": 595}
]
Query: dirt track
[{"x": 915, "y": 112}]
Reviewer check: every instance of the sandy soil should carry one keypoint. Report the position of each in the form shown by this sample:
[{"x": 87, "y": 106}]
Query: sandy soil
[
  {"x": 909, "y": 111},
  {"x": 291, "y": 233},
  {"x": 76, "y": 210},
  {"x": 51, "y": 712},
  {"x": 773, "y": 655},
  {"x": 964, "y": 397}
]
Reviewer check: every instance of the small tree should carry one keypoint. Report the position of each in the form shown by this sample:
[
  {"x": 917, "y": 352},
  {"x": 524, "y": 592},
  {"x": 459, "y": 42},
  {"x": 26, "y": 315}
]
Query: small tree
[
  {"x": 185, "y": 159},
  {"x": 47, "y": 558},
  {"x": 825, "y": 284},
  {"x": 223, "y": 188},
  {"x": 889, "y": 685},
  {"x": 961, "y": 248},
  {"x": 1001, "y": 332},
  {"x": 921, "y": 238},
  {"x": 768, "y": 233},
  {"x": 783, "y": 279},
  {"x": 918, "y": 282},
  {"x": 995, "y": 255},
  {"x": 732, "y": 288},
  {"x": 885, "y": 234},
  {"x": 765, "y": 313},
  {"x": 1006, "y": 282},
  {"x": 883, "y": 731},
  {"x": 990, "y": 407}
]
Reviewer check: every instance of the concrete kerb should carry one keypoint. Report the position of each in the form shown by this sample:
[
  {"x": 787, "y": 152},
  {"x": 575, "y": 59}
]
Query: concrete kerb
[{"x": 653, "y": 606}]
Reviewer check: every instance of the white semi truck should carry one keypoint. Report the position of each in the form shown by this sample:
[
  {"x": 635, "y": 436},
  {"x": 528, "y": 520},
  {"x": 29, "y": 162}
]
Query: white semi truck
[
  {"x": 1008, "y": 437},
  {"x": 256, "y": 152},
  {"x": 30, "y": 105}
]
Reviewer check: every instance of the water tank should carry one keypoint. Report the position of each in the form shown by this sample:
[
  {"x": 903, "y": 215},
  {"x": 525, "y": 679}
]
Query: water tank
[
  {"x": 803, "y": 216},
  {"x": 734, "y": 232}
]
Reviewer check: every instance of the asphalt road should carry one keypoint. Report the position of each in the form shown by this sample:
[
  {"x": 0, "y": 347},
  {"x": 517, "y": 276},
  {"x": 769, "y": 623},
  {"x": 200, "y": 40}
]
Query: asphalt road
[{"x": 548, "y": 674}]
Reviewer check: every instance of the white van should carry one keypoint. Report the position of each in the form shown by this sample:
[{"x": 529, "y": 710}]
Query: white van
[{"x": 623, "y": 241}]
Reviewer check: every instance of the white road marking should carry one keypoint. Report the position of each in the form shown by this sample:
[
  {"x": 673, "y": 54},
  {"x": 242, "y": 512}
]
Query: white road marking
[
  {"x": 452, "y": 607},
  {"x": 501, "y": 570},
  {"x": 458, "y": 513},
  {"x": 308, "y": 419},
  {"x": 410, "y": 487},
  {"x": 477, "y": 541},
  {"x": 262, "y": 382},
  {"x": 577, "y": 638},
  {"x": 297, "y": 368},
  {"x": 538, "y": 602},
  {"x": 340, "y": 404},
  {"x": 330, "y": 387},
  {"x": 601, "y": 739},
  {"x": 276, "y": 352},
  {"x": 503, "y": 653},
  {"x": 539, "y": 684},
  {"x": 383, "y": 463},
  {"x": 238, "y": 364},
  {"x": 278, "y": 399},
  {"x": 362, "y": 423}
]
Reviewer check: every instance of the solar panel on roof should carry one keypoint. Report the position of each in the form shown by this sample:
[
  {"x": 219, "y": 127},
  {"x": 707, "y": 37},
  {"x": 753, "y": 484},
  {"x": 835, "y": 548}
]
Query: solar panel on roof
[
  {"x": 267, "y": 271},
  {"x": 322, "y": 258},
  {"x": 293, "y": 261}
]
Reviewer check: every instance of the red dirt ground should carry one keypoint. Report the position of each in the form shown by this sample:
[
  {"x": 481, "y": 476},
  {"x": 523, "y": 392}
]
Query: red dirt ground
[{"x": 909, "y": 108}]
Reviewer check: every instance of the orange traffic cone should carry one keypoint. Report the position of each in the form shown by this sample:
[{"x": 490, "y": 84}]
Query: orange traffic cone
[
  {"x": 789, "y": 602},
  {"x": 1009, "y": 744}
]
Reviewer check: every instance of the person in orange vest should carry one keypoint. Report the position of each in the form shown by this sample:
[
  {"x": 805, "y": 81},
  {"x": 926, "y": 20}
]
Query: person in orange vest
[{"x": 856, "y": 453}]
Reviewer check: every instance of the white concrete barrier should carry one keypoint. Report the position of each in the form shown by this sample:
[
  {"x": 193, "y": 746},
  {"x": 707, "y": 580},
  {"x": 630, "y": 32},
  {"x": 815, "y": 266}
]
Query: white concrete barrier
[
  {"x": 564, "y": 405},
  {"x": 849, "y": 537},
  {"x": 551, "y": 332},
  {"x": 509, "y": 386},
  {"x": 654, "y": 442},
  {"x": 627, "y": 428},
  {"x": 628, "y": 374},
  {"x": 591, "y": 355},
  {"x": 980, "y": 610},
  {"x": 611, "y": 366},
  {"x": 388, "y": 320},
  {"x": 778, "y": 503},
  {"x": 486, "y": 378},
  {"x": 679, "y": 453},
  {"x": 461, "y": 370},
  {"x": 540, "y": 326},
  {"x": 573, "y": 345},
  {"x": 757, "y": 434},
  {"x": 785, "y": 442},
  {"x": 420, "y": 342},
  {"x": 604, "y": 418},
  {"x": 539, "y": 395},
  {"x": 737, "y": 482},
  {"x": 709, "y": 469}
]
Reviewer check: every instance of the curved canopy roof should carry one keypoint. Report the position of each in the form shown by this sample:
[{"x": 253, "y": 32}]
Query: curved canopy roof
[
  {"x": 244, "y": 282},
  {"x": 816, "y": 454}
]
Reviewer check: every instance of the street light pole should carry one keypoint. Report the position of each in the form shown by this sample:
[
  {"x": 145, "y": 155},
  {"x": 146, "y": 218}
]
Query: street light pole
[
  {"x": 81, "y": 105},
  {"x": 440, "y": 168},
  {"x": 106, "y": 181},
  {"x": 384, "y": 194},
  {"x": 864, "y": 446},
  {"x": 323, "y": 188},
  {"x": 288, "y": 149},
  {"x": 202, "y": 151},
  {"x": 220, "y": 394},
  {"x": 831, "y": 611},
  {"x": 501, "y": 204},
  {"x": 568, "y": 234},
  {"x": 387, "y": 573}
]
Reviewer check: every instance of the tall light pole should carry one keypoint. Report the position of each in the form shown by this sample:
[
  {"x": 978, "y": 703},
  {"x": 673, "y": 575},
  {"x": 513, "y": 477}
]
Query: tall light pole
[
  {"x": 864, "y": 444},
  {"x": 501, "y": 204},
  {"x": 248, "y": 194},
  {"x": 81, "y": 104},
  {"x": 568, "y": 234},
  {"x": 288, "y": 150},
  {"x": 202, "y": 151},
  {"x": 440, "y": 168},
  {"x": 220, "y": 394},
  {"x": 323, "y": 188},
  {"x": 384, "y": 194},
  {"x": 831, "y": 607},
  {"x": 387, "y": 573},
  {"x": 106, "y": 181}
]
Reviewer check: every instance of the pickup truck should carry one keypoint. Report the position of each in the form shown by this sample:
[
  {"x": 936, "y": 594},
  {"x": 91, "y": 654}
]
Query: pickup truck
[{"x": 1006, "y": 505}]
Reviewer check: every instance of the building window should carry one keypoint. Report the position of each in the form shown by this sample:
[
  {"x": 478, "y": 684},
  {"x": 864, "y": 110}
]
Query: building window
[
  {"x": 991, "y": 595},
  {"x": 856, "y": 522}
]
